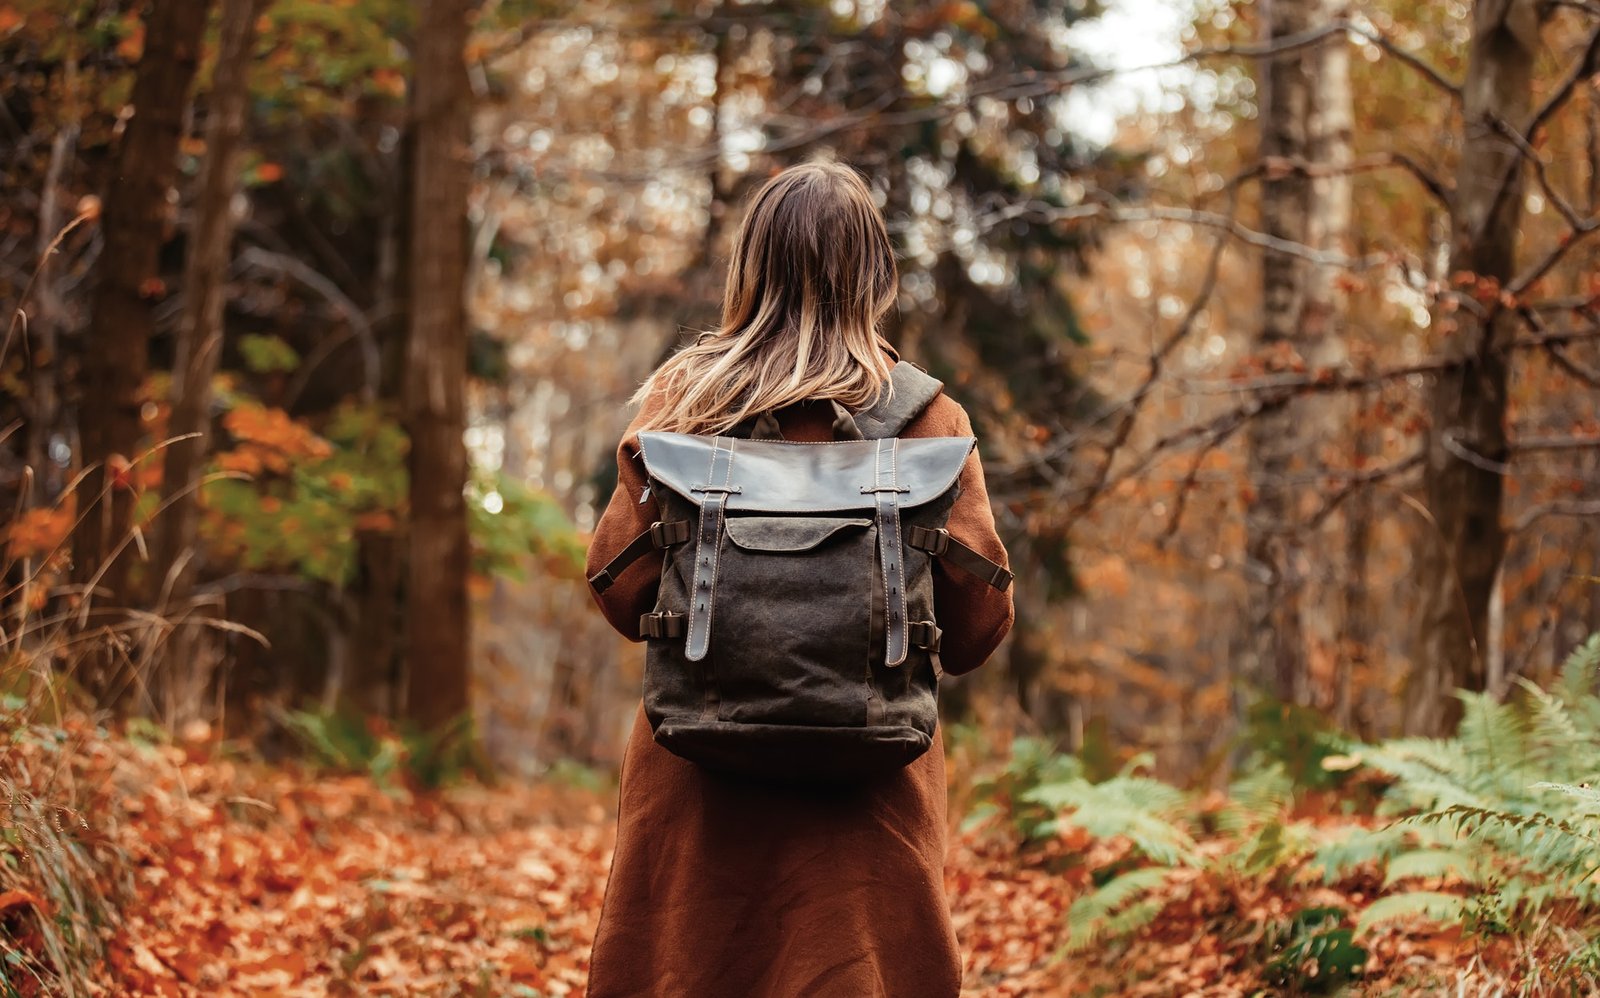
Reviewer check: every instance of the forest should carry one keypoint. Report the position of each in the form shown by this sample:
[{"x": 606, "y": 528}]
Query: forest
[{"x": 1278, "y": 322}]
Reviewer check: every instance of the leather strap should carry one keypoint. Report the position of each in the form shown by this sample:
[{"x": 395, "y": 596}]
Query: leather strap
[
  {"x": 844, "y": 424},
  {"x": 907, "y": 393},
  {"x": 940, "y": 544},
  {"x": 658, "y": 537},
  {"x": 708, "y": 547},
  {"x": 766, "y": 428},
  {"x": 890, "y": 555},
  {"x": 661, "y": 625}
]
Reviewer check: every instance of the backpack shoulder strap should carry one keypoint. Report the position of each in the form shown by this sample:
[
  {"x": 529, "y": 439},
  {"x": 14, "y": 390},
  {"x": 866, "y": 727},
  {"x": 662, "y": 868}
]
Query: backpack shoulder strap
[{"x": 912, "y": 390}]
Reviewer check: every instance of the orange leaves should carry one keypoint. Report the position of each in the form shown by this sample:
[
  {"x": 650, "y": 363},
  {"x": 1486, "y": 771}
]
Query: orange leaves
[
  {"x": 388, "y": 81},
  {"x": 38, "y": 531},
  {"x": 254, "y": 880},
  {"x": 131, "y": 47},
  {"x": 269, "y": 440},
  {"x": 1482, "y": 289},
  {"x": 377, "y": 522}
]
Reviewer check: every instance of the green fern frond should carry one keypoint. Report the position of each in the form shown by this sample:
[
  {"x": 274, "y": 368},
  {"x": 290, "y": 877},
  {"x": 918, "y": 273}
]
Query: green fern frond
[
  {"x": 1430, "y": 864},
  {"x": 1588, "y": 797},
  {"x": 1143, "y": 811},
  {"x": 1274, "y": 845},
  {"x": 1556, "y": 745},
  {"x": 1432, "y": 905},
  {"x": 1257, "y": 799},
  {"x": 1121, "y": 906},
  {"x": 1580, "y": 671},
  {"x": 1361, "y": 847},
  {"x": 1492, "y": 743}
]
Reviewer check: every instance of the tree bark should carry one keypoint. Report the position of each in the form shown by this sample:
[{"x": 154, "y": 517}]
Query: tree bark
[
  {"x": 200, "y": 327},
  {"x": 436, "y": 371},
  {"x": 1466, "y": 440},
  {"x": 1341, "y": 584},
  {"x": 1279, "y": 435},
  {"x": 115, "y": 356},
  {"x": 372, "y": 684},
  {"x": 44, "y": 405}
]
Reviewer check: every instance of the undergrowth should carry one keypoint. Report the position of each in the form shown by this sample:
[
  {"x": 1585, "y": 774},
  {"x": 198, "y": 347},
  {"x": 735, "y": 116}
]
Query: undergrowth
[{"x": 1495, "y": 830}]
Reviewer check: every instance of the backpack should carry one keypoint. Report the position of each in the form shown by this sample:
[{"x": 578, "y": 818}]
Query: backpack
[{"x": 793, "y": 636}]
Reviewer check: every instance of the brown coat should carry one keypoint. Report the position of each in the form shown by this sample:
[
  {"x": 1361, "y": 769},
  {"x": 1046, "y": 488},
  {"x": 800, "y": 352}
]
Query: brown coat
[{"x": 723, "y": 888}]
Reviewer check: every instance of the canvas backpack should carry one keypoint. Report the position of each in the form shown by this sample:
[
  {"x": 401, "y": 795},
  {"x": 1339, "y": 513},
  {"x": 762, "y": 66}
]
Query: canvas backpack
[{"x": 793, "y": 636}]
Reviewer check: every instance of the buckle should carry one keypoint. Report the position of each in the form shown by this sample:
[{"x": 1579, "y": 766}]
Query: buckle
[
  {"x": 666, "y": 534},
  {"x": 661, "y": 625},
  {"x": 935, "y": 542},
  {"x": 925, "y": 634}
]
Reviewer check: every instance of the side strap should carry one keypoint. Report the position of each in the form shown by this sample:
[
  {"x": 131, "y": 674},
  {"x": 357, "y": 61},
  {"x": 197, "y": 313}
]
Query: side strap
[
  {"x": 940, "y": 544},
  {"x": 925, "y": 634},
  {"x": 659, "y": 536}
]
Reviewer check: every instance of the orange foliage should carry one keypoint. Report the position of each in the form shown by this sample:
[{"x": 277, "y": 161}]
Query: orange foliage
[
  {"x": 268, "y": 440},
  {"x": 39, "y": 531}
]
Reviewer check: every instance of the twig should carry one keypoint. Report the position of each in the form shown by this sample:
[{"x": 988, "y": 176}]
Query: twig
[
  {"x": 359, "y": 327},
  {"x": 1560, "y": 507}
]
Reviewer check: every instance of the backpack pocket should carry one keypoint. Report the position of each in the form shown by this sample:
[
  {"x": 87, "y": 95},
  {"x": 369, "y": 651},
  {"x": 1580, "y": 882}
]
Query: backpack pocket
[{"x": 793, "y": 647}]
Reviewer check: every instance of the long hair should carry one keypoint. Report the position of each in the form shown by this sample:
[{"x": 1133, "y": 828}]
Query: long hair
[{"x": 811, "y": 279}]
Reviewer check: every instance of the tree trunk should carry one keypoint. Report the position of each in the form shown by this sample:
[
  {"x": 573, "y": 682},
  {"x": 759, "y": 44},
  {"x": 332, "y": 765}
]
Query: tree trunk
[
  {"x": 115, "y": 356},
  {"x": 44, "y": 406},
  {"x": 1466, "y": 441},
  {"x": 1339, "y": 585},
  {"x": 436, "y": 371},
  {"x": 1279, "y": 434},
  {"x": 200, "y": 327},
  {"x": 377, "y": 597}
]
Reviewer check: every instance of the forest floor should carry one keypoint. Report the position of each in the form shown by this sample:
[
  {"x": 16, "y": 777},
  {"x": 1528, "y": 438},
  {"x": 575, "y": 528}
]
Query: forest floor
[{"x": 248, "y": 879}]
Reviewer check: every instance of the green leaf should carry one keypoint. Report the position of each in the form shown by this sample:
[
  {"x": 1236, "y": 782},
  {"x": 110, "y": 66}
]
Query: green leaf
[
  {"x": 1429, "y": 864},
  {"x": 267, "y": 354},
  {"x": 1432, "y": 906},
  {"x": 1118, "y": 908}
]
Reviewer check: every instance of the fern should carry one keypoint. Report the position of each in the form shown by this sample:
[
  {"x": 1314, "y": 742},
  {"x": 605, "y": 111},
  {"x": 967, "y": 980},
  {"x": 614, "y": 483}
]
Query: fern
[
  {"x": 1432, "y": 864},
  {"x": 1579, "y": 672},
  {"x": 1143, "y": 811},
  {"x": 1121, "y": 906},
  {"x": 1257, "y": 799},
  {"x": 1506, "y": 806},
  {"x": 1432, "y": 905}
]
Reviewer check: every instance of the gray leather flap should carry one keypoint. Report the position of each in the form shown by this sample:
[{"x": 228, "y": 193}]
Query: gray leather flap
[
  {"x": 787, "y": 533},
  {"x": 775, "y": 476}
]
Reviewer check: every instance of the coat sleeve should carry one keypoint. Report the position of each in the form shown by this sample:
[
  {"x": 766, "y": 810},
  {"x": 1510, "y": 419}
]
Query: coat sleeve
[
  {"x": 974, "y": 616},
  {"x": 625, "y": 517}
]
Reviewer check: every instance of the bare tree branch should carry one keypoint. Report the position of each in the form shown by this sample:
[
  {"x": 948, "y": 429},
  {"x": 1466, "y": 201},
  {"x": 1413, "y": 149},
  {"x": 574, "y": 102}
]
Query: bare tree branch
[
  {"x": 355, "y": 320},
  {"x": 1568, "y": 507}
]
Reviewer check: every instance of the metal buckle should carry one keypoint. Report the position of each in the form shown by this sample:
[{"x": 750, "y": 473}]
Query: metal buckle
[
  {"x": 939, "y": 544},
  {"x": 665, "y": 534}
]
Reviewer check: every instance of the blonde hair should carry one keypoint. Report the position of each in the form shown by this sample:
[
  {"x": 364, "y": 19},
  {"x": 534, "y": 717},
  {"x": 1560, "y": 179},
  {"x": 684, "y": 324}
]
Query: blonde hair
[{"x": 810, "y": 281}]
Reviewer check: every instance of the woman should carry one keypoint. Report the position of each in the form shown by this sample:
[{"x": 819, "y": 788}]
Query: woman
[{"x": 739, "y": 888}]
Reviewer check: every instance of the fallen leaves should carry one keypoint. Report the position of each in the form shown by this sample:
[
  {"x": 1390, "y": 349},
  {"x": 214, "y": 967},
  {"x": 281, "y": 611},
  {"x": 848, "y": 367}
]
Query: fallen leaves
[
  {"x": 243, "y": 879},
  {"x": 336, "y": 887}
]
